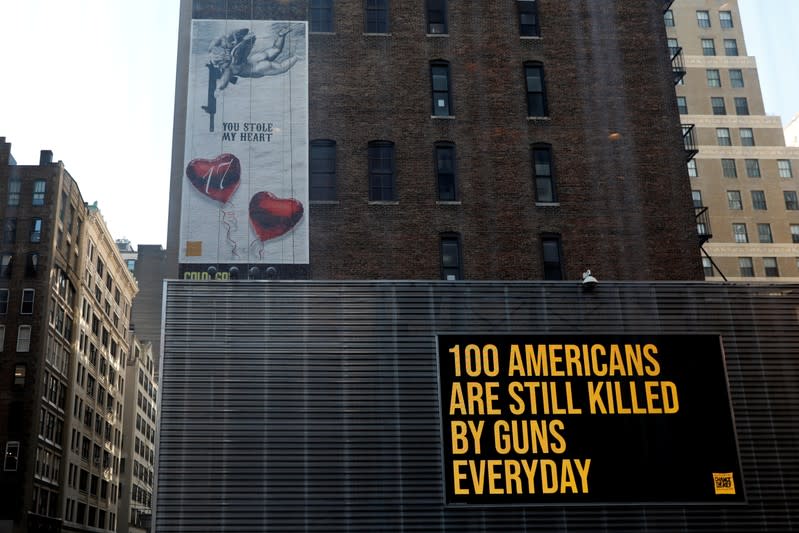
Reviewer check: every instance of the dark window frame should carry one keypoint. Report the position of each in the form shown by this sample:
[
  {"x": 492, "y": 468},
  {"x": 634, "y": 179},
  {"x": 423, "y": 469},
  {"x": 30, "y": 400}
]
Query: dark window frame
[
  {"x": 39, "y": 193},
  {"x": 544, "y": 184},
  {"x": 320, "y": 16},
  {"x": 741, "y": 105},
  {"x": 322, "y": 173},
  {"x": 382, "y": 171},
  {"x": 529, "y": 20},
  {"x": 536, "y": 96},
  {"x": 454, "y": 267},
  {"x": 729, "y": 168},
  {"x": 376, "y": 16},
  {"x": 436, "y": 17},
  {"x": 717, "y": 105},
  {"x": 441, "y": 88},
  {"x": 446, "y": 175},
  {"x": 553, "y": 266}
]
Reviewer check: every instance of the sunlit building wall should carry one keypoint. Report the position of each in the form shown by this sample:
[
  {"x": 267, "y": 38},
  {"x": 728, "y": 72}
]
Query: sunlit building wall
[{"x": 743, "y": 173}]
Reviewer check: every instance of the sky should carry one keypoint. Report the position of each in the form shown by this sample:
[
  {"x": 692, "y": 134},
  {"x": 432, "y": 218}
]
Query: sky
[{"x": 93, "y": 81}]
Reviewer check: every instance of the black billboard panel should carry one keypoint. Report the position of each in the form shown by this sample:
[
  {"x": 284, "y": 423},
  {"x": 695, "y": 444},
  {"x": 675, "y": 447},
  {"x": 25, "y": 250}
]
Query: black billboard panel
[{"x": 587, "y": 419}]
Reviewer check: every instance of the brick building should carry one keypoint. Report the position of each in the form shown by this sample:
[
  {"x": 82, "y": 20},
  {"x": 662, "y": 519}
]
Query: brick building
[
  {"x": 65, "y": 298},
  {"x": 480, "y": 140}
]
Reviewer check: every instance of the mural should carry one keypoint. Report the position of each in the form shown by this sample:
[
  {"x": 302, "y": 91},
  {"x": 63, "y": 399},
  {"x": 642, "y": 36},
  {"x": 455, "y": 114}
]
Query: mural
[{"x": 246, "y": 153}]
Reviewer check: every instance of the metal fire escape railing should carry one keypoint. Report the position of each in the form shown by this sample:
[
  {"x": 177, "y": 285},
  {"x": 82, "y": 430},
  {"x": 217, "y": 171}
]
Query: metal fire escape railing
[
  {"x": 677, "y": 63},
  {"x": 702, "y": 224},
  {"x": 689, "y": 140}
]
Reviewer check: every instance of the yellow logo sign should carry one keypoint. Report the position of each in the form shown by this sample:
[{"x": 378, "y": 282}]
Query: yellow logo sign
[{"x": 723, "y": 483}]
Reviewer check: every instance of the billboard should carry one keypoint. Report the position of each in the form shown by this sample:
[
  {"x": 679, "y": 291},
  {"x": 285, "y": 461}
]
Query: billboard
[
  {"x": 587, "y": 419},
  {"x": 245, "y": 184}
]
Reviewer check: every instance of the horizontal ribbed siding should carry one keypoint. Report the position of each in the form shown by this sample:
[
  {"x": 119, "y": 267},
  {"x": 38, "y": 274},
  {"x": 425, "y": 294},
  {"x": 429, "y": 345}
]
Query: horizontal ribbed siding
[{"x": 313, "y": 406}]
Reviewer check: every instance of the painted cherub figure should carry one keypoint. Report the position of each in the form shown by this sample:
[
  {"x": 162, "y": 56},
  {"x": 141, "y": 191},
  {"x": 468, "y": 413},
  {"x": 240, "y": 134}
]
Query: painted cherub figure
[{"x": 234, "y": 56}]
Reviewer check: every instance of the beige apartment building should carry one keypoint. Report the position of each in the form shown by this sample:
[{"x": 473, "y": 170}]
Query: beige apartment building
[
  {"x": 743, "y": 177},
  {"x": 92, "y": 492},
  {"x": 138, "y": 458}
]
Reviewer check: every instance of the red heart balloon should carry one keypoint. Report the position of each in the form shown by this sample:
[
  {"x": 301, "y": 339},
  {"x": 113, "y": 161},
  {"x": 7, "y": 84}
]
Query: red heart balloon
[
  {"x": 271, "y": 216},
  {"x": 217, "y": 178}
]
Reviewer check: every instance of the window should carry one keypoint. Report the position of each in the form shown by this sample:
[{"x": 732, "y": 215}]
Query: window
[
  {"x": 674, "y": 46},
  {"x": 26, "y": 307},
  {"x": 707, "y": 266},
  {"x": 436, "y": 16},
  {"x": 6, "y": 263},
  {"x": 741, "y": 106},
  {"x": 3, "y": 301},
  {"x": 739, "y": 233},
  {"x": 723, "y": 136},
  {"x": 31, "y": 264},
  {"x": 708, "y": 47},
  {"x": 11, "y": 457},
  {"x": 20, "y": 371},
  {"x": 746, "y": 267},
  {"x": 752, "y": 168},
  {"x": 536, "y": 93},
  {"x": 550, "y": 249},
  {"x": 713, "y": 77},
  {"x": 747, "y": 137},
  {"x": 725, "y": 18},
  {"x": 376, "y": 16},
  {"x": 784, "y": 167},
  {"x": 451, "y": 258},
  {"x": 10, "y": 230},
  {"x": 736, "y": 78},
  {"x": 696, "y": 196},
  {"x": 728, "y": 168},
  {"x": 14, "y": 187},
  {"x": 445, "y": 172},
  {"x": 36, "y": 230},
  {"x": 759, "y": 200},
  {"x": 439, "y": 80},
  {"x": 717, "y": 103},
  {"x": 693, "y": 170},
  {"x": 381, "y": 171},
  {"x": 542, "y": 168},
  {"x": 322, "y": 172},
  {"x": 764, "y": 233},
  {"x": 528, "y": 18},
  {"x": 795, "y": 233},
  {"x": 791, "y": 202},
  {"x": 703, "y": 19},
  {"x": 321, "y": 15},
  {"x": 770, "y": 267},
  {"x": 23, "y": 338},
  {"x": 668, "y": 18},
  {"x": 682, "y": 105},
  {"x": 730, "y": 47},
  {"x": 734, "y": 200},
  {"x": 39, "y": 188}
]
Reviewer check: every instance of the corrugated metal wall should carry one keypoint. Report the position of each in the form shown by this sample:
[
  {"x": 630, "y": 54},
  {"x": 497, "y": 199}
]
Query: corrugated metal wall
[{"x": 313, "y": 406}]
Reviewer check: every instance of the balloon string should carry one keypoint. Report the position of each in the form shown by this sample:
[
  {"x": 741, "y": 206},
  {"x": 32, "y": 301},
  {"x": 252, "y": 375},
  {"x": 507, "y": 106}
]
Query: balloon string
[
  {"x": 257, "y": 244},
  {"x": 231, "y": 224}
]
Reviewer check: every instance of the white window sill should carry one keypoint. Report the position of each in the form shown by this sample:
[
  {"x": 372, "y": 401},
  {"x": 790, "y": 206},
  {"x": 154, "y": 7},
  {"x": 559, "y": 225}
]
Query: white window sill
[
  {"x": 437, "y": 35},
  {"x": 530, "y": 37},
  {"x": 383, "y": 202},
  {"x": 443, "y": 117},
  {"x": 538, "y": 118},
  {"x": 377, "y": 34},
  {"x": 547, "y": 204},
  {"x": 448, "y": 202}
]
